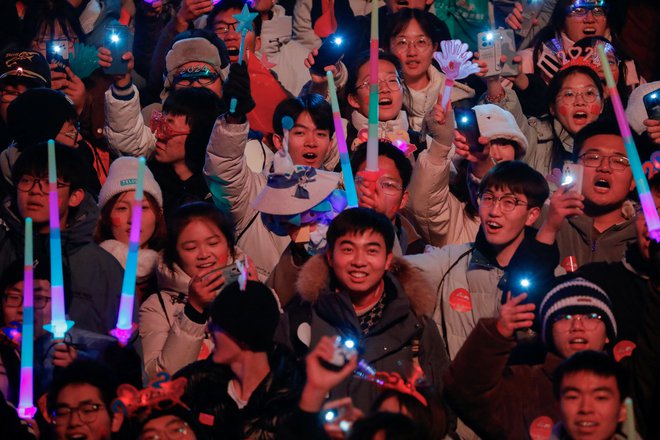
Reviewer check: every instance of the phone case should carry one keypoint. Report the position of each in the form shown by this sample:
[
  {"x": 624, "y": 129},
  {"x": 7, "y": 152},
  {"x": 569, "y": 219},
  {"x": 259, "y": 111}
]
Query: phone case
[
  {"x": 118, "y": 40},
  {"x": 57, "y": 51},
  {"x": 531, "y": 9},
  {"x": 492, "y": 45},
  {"x": 576, "y": 173},
  {"x": 468, "y": 126},
  {"x": 652, "y": 104}
]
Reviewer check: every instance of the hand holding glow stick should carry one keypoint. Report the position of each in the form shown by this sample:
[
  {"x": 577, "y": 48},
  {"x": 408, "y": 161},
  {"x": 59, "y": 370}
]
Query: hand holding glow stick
[
  {"x": 26, "y": 408},
  {"x": 642, "y": 185},
  {"x": 125, "y": 325},
  {"x": 58, "y": 324},
  {"x": 244, "y": 25},
  {"x": 455, "y": 62},
  {"x": 347, "y": 172}
]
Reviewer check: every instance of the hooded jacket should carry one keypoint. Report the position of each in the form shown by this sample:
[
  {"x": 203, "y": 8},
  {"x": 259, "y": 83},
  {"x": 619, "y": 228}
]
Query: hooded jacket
[
  {"x": 92, "y": 277},
  {"x": 405, "y": 333}
]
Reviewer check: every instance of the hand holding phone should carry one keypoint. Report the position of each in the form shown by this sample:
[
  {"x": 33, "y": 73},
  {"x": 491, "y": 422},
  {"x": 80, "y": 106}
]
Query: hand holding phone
[
  {"x": 468, "y": 125},
  {"x": 330, "y": 53},
  {"x": 531, "y": 10},
  {"x": 57, "y": 52},
  {"x": 572, "y": 177},
  {"x": 118, "y": 40},
  {"x": 652, "y": 104},
  {"x": 492, "y": 46}
]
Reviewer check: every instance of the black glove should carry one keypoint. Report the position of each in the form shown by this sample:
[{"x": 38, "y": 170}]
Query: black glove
[{"x": 238, "y": 86}]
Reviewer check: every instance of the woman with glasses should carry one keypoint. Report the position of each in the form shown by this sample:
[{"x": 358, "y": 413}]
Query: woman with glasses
[
  {"x": 413, "y": 39},
  {"x": 392, "y": 119}
]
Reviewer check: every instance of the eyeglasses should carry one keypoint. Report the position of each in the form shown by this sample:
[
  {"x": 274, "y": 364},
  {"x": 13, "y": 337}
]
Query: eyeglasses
[
  {"x": 223, "y": 28},
  {"x": 507, "y": 203},
  {"x": 401, "y": 44},
  {"x": 580, "y": 12},
  {"x": 589, "y": 95},
  {"x": 161, "y": 127},
  {"x": 26, "y": 183},
  {"x": 389, "y": 186},
  {"x": 88, "y": 412},
  {"x": 173, "y": 430},
  {"x": 392, "y": 83},
  {"x": 563, "y": 323},
  {"x": 594, "y": 160},
  {"x": 201, "y": 75},
  {"x": 14, "y": 300}
]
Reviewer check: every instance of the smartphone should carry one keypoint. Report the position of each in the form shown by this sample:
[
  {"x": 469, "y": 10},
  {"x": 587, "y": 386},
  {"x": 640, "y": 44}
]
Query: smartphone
[
  {"x": 492, "y": 45},
  {"x": 57, "y": 51},
  {"x": 336, "y": 414},
  {"x": 118, "y": 40},
  {"x": 573, "y": 175},
  {"x": 468, "y": 125},
  {"x": 330, "y": 53},
  {"x": 531, "y": 9},
  {"x": 652, "y": 104},
  {"x": 231, "y": 273}
]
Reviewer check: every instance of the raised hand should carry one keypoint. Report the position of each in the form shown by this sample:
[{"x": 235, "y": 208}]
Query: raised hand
[{"x": 514, "y": 315}]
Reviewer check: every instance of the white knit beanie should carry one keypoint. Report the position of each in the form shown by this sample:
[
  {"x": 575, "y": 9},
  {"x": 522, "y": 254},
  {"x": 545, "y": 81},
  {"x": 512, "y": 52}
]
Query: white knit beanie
[
  {"x": 497, "y": 123},
  {"x": 122, "y": 177},
  {"x": 635, "y": 111}
]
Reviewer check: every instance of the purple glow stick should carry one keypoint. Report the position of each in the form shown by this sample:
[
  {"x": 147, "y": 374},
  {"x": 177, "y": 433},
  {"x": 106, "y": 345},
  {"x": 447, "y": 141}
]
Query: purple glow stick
[{"x": 26, "y": 408}]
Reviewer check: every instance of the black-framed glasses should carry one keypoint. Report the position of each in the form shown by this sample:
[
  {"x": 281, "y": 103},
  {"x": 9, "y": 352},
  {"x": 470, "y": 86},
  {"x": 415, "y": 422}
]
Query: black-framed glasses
[
  {"x": 594, "y": 160},
  {"x": 26, "y": 183},
  {"x": 401, "y": 44},
  {"x": 507, "y": 202},
  {"x": 15, "y": 300},
  {"x": 173, "y": 430},
  {"x": 88, "y": 412},
  {"x": 582, "y": 11},
  {"x": 223, "y": 28},
  {"x": 392, "y": 83},
  {"x": 590, "y": 321}
]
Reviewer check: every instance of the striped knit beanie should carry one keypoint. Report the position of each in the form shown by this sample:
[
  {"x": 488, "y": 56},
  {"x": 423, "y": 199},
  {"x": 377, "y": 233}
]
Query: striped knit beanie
[{"x": 576, "y": 296}]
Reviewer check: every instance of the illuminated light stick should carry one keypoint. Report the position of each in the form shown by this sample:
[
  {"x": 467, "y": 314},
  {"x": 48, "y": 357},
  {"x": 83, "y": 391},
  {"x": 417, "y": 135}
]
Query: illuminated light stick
[
  {"x": 629, "y": 424},
  {"x": 58, "y": 323},
  {"x": 244, "y": 25},
  {"x": 347, "y": 172},
  {"x": 372, "y": 139},
  {"x": 125, "y": 325},
  {"x": 645, "y": 197},
  {"x": 455, "y": 62},
  {"x": 26, "y": 408}
]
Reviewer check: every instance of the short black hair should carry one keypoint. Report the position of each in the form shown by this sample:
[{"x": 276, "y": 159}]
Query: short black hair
[
  {"x": 85, "y": 372},
  {"x": 359, "y": 221},
  {"x": 596, "y": 362},
  {"x": 362, "y": 59},
  {"x": 599, "y": 126},
  {"x": 427, "y": 22},
  {"x": 201, "y": 107},
  {"x": 318, "y": 108},
  {"x": 184, "y": 215},
  {"x": 395, "y": 426},
  {"x": 226, "y": 5},
  {"x": 33, "y": 161},
  {"x": 387, "y": 149},
  {"x": 557, "y": 81},
  {"x": 519, "y": 178}
]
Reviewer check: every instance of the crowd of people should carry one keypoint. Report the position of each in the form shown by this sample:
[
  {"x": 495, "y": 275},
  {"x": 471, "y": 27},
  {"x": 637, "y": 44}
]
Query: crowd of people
[{"x": 497, "y": 277}]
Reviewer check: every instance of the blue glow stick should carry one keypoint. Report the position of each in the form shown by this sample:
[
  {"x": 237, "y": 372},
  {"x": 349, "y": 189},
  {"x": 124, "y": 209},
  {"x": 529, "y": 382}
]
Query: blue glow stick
[{"x": 26, "y": 408}]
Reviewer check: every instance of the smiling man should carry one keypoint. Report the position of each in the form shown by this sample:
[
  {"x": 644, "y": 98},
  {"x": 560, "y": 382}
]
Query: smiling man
[
  {"x": 599, "y": 224},
  {"x": 360, "y": 291},
  {"x": 472, "y": 278}
]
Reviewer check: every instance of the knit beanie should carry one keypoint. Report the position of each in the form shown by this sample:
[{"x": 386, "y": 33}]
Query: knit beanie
[
  {"x": 249, "y": 316},
  {"x": 38, "y": 115},
  {"x": 122, "y": 177},
  {"x": 576, "y": 296},
  {"x": 635, "y": 111},
  {"x": 496, "y": 123}
]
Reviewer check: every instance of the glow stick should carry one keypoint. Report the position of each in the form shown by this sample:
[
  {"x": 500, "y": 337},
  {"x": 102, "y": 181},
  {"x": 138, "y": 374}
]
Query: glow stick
[
  {"x": 58, "y": 324},
  {"x": 455, "y": 60},
  {"x": 372, "y": 139},
  {"x": 629, "y": 424},
  {"x": 26, "y": 408},
  {"x": 125, "y": 325},
  {"x": 244, "y": 25},
  {"x": 347, "y": 172},
  {"x": 645, "y": 197}
]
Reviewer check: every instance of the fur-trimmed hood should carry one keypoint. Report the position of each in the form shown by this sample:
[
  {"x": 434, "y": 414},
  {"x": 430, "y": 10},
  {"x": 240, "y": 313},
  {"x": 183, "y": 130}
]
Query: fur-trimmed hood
[{"x": 314, "y": 279}]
